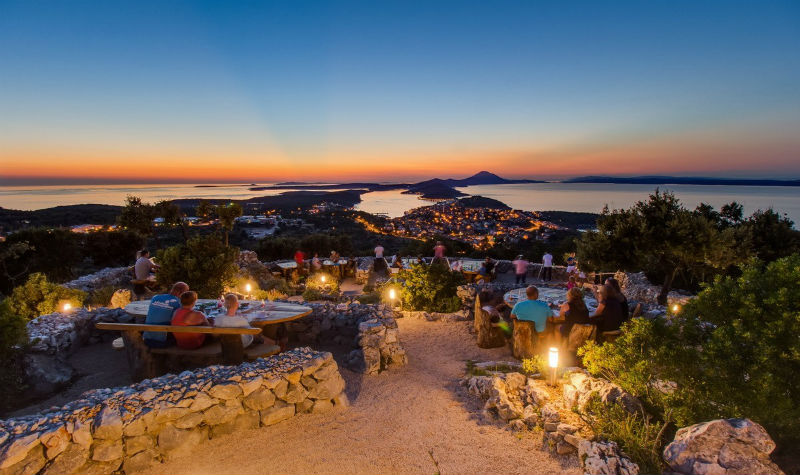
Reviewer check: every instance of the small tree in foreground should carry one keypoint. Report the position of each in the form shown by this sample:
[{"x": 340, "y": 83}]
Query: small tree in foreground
[
  {"x": 204, "y": 262},
  {"x": 37, "y": 296}
]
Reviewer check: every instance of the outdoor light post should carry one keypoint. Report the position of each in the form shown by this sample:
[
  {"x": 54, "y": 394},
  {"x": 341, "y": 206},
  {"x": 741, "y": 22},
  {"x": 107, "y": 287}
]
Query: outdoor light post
[
  {"x": 248, "y": 288},
  {"x": 553, "y": 363}
]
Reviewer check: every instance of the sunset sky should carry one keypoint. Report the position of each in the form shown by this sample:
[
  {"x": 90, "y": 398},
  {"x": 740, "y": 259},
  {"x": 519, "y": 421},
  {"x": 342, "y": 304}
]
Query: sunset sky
[{"x": 172, "y": 91}]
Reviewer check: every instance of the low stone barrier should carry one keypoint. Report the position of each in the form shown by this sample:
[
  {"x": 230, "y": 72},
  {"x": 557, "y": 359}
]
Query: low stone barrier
[
  {"x": 126, "y": 429},
  {"x": 580, "y": 388},
  {"x": 459, "y": 316},
  {"x": 637, "y": 287},
  {"x": 108, "y": 277},
  {"x": 370, "y": 330}
]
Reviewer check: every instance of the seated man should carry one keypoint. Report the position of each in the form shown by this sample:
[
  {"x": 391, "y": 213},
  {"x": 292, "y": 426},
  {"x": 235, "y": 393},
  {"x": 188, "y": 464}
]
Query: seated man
[
  {"x": 187, "y": 316},
  {"x": 533, "y": 310},
  {"x": 160, "y": 312},
  {"x": 144, "y": 266},
  {"x": 231, "y": 320}
]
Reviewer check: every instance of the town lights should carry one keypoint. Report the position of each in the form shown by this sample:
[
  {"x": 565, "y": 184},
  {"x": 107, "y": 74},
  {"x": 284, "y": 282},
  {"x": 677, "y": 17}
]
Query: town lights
[{"x": 552, "y": 361}]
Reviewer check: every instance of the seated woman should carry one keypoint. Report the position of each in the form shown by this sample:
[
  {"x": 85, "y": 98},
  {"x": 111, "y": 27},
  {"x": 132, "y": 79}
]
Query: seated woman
[
  {"x": 188, "y": 316},
  {"x": 232, "y": 320},
  {"x": 614, "y": 283},
  {"x": 574, "y": 311},
  {"x": 608, "y": 316}
]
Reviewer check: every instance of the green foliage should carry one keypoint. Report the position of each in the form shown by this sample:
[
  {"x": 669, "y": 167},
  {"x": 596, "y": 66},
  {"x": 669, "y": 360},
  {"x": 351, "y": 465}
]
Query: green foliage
[
  {"x": 533, "y": 365},
  {"x": 372, "y": 298},
  {"x": 329, "y": 287},
  {"x": 203, "y": 262},
  {"x": 227, "y": 215},
  {"x": 101, "y": 297},
  {"x": 53, "y": 252},
  {"x": 431, "y": 288},
  {"x": 311, "y": 294},
  {"x": 137, "y": 216},
  {"x": 641, "y": 437},
  {"x": 732, "y": 351},
  {"x": 37, "y": 296},
  {"x": 13, "y": 338},
  {"x": 112, "y": 248},
  {"x": 13, "y": 331},
  {"x": 270, "y": 294}
]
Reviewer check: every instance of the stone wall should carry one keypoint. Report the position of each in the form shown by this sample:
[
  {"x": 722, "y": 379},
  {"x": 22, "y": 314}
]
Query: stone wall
[
  {"x": 636, "y": 287},
  {"x": 108, "y": 277},
  {"x": 126, "y": 429},
  {"x": 370, "y": 330}
]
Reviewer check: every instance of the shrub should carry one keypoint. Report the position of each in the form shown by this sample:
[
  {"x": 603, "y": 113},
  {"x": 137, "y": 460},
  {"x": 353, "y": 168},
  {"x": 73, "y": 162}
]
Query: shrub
[
  {"x": 330, "y": 286},
  {"x": 533, "y": 365},
  {"x": 638, "y": 435},
  {"x": 101, "y": 297},
  {"x": 369, "y": 299},
  {"x": 311, "y": 294},
  {"x": 13, "y": 336},
  {"x": 732, "y": 351},
  {"x": 204, "y": 262},
  {"x": 431, "y": 288},
  {"x": 37, "y": 296}
]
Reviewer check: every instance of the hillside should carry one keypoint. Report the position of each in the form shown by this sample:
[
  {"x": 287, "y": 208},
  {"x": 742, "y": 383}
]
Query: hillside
[{"x": 13, "y": 219}]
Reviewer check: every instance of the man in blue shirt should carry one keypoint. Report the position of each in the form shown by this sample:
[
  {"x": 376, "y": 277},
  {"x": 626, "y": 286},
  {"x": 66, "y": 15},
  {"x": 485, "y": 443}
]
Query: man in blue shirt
[
  {"x": 533, "y": 310},
  {"x": 160, "y": 312}
]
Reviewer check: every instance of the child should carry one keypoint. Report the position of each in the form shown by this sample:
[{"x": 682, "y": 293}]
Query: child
[
  {"x": 571, "y": 282},
  {"x": 188, "y": 316},
  {"x": 231, "y": 320}
]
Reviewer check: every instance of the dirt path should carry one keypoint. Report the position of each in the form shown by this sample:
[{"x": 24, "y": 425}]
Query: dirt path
[{"x": 412, "y": 420}]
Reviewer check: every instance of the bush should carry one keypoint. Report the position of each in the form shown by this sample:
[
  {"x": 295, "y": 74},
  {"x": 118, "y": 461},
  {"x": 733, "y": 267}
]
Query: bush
[
  {"x": 638, "y": 435},
  {"x": 52, "y": 252},
  {"x": 533, "y": 365},
  {"x": 369, "y": 299},
  {"x": 431, "y": 288},
  {"x": 311, "y": 294},
  {"x": 101, "y": 297},
  {"x": 37, "y": 297},
  {"x": 203, "y": 262},
  {"x": 330, "y": 286},
  {"x": 13, "y": 336},
  {"x": 733, "y": 351}
]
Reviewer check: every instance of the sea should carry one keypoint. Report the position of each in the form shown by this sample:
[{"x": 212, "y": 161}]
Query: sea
[{"x": 580, "y": 197}]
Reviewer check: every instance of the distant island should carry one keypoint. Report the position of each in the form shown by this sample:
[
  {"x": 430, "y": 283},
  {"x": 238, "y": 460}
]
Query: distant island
[{"x": 681, "y": 180}]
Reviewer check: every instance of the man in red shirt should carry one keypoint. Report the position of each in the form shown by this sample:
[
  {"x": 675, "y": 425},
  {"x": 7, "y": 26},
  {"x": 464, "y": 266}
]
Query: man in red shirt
[{"x": 187, "y": 316}]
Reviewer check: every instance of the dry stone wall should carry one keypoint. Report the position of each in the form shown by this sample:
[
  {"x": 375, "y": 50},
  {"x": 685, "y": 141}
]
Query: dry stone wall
[
  {"x": 108, "y": 277},
  {"x": 126, "y": 429},
  {"x": 370, "y": 330}
]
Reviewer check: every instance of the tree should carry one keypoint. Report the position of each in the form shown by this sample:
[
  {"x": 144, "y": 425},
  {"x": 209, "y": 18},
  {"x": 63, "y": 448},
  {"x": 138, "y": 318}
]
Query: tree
[
  {"x": 37, "y": 296},
  {"x": 658, "y": 235},
  {"x": 203, "y": 262},
  {"x": 227, "y": 217},
  {"x": 431, "y": 288},
  {"x": 172, "y": 215},
  {"x": 768, "y": 235},
  {"x": 53, "y": 252},
  {"x": 137, "y": 216},
  {"x": 204, "y": 210}
]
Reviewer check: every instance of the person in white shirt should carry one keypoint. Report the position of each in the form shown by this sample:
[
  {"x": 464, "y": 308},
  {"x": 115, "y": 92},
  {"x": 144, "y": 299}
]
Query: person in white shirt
[
  {"x": 144, "y": 266},
  {"x": 547, "y": 266},
  {"x": 379, "y": 251},
  {"x": 231, "y": 320}
]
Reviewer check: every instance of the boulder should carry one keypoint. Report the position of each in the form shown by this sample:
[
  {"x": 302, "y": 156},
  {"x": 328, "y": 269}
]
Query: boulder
[
  {"x": 724, "y": 446},
  {"x": 604, "y": 458}
]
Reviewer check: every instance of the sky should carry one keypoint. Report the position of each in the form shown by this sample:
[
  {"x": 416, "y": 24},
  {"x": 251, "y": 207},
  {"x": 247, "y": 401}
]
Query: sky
[{"x": 257, "y": 91}]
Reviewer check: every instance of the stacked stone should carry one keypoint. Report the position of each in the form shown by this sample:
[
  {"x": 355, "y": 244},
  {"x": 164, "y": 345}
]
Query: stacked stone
[
  {"x": 63, "y": 333},
  {"x": 371, "y": 330},
  {"x": 580, "y": 388},
  {"x": 363, "y": 269},
  {"x": 637, "y": 288},
  {"x": 108, "y": 277},
  {"x": 459, "y": 316},
  {"x": 605, "y": 458},
  {"x": 125, "y": 429}
]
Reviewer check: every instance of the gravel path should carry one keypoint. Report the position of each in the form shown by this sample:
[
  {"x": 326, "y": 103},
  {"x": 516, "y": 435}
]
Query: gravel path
[{"x": 414, "y": 420}]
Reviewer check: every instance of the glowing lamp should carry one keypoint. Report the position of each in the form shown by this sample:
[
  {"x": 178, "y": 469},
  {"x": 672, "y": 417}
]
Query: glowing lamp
[
  {"x": 322, "y": 278},
  {"x": 675, "y": 308},
  {"x": 553, "y": 357},
  {"x": 392, "y": 294},
  {"x": 67, "y": 307},
  {"x": 248, "y": 288}
]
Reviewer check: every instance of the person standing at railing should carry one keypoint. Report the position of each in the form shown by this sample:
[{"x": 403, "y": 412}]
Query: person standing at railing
[
  {"x": 520, "y": 269},
  {"x": 547, "y": 266}
]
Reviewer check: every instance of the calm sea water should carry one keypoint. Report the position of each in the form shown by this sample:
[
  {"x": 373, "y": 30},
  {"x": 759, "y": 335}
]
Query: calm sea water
[{"x": 530, "y": 196}]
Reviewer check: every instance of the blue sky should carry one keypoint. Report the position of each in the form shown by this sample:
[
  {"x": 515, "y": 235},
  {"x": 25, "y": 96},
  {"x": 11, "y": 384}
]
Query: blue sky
[{"x": 369, "y": 89}]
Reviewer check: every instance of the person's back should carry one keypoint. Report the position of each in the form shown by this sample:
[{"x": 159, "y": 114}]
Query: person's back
[
  {"x": 298, "y": 258},
  {"x": 439, "y": 251},
  {"x": 187, "y": 316},
  {"x": 535, "y": 311},
  {"x": 520, "y": 266},
  {"x": 231, "y": 320},
  {"x": 612, "y": 316},
  {"x": 143, "y": 267},
  {"x": 379, "y": 251},
  {"x": 547, "y": 260},
  {"x": 162, "y": 307},
  {"x": 489, "y": 265}
]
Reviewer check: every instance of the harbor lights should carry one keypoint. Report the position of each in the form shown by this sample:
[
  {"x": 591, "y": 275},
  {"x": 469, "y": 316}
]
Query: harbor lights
[{"x": 552, "y": 360}]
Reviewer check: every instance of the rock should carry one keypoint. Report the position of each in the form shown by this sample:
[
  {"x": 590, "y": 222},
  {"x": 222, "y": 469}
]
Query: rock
[
  {"x": 18, "y": 449},
  {"x": 250, "y": 386},
  {"x": 531, "y": 416},
  {"x": 563, "y": 448},
  {"x": 139, "y": 443},
  {"x": 279, "y": 412},
  {"x": 572, "y": 440},
  {"x": 295, "y": 393},
  {"x": 550, "y": 413},
  {"x": 107, "y": 450},
  {"x": 566, "y": 429},
  {"x": 604, "y": 458},
  {"x": 174, "y": 442},
  {"x": 46, "y": 374},
  {"x": 202, "y": 401},
  {"x": 727, "y": 446},
  {"x": 134, "y": 427},
  {"x": 535, "y": 392},
  {"x": 280, "y": 388},
  {"x": 551, "y": 426},
  {"x": 225, "y": 391},
  {"x": 171, "y": 413},
  {"x": 517, "y": 425},
  {"x": 220, "y": 414},
  {"x": 242, "y": 422},
  {"x": 515, "y": 381},
  {"x": 328, "y": 388},
  {"x": 260, "y": 399},
  {"x": 304, "y": 406},
  {"x": 190, "y": 420},
  {"x": 55, "y": 441},
  {"x": 341, "y": 400},
  {"x": 140, "y": 461},
  {"x": 322, "y": 406},
  {"x": 68, "y": 462},
  {"x": 92, "y": 467},
  {"x": 108, "y": 424},
  {"x": 32, "y": 462},
  {"x": 82, "y": 434}
]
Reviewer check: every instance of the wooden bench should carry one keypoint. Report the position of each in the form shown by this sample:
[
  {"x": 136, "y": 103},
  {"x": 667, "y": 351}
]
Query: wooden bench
[{"x": 145, "y": 362}]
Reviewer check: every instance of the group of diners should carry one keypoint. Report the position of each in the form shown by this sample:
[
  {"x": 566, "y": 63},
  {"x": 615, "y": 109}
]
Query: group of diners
[
  {"x": 574, "y": 323},
  {"x": 338, "y": 264},
  {"x": 177, "y": 308}
]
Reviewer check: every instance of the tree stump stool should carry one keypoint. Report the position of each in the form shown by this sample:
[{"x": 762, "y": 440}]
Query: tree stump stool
[
  {"x": 525, "y": 339},
  {"x": 489, "y": 336}
]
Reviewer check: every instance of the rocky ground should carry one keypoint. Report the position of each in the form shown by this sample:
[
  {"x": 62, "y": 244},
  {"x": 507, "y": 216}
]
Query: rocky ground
[{"x": 414, "y": 419}]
